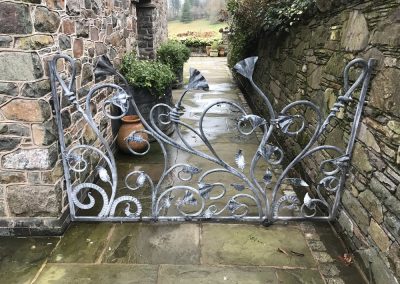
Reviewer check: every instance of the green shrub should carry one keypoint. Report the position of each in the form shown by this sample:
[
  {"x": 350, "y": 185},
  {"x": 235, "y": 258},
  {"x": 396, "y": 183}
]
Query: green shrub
[
  {"x": 152, "y": 75},
  {"x": 249, "y": 18},
  {"x": 174, "y": 54}
]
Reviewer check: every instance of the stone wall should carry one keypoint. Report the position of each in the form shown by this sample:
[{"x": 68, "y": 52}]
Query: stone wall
[
  {"x": 32, "y": 193},
  {"x": 307, "y": 63},
  {"x": 152, "y": 26}
]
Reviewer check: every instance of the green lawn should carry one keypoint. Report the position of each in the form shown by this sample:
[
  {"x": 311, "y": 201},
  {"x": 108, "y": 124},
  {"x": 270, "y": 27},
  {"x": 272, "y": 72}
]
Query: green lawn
[{"x": 177, "y": 27}]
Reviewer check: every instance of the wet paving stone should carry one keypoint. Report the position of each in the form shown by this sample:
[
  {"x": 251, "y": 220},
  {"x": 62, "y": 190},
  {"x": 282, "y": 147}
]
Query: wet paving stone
[
  {"x": 21, "y": 258},
  {"x": 82, "y": 243},
  {"x": 186, "y": 274},
  {"x": 98, "y": 274},
  {"x": 289, "y": 276},
  {"x": 154, "y": 244},
  {"x": 254, "y": 245}
]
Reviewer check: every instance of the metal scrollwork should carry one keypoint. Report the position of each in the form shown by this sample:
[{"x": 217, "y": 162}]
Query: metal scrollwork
[{"x": 268, "y": 196}]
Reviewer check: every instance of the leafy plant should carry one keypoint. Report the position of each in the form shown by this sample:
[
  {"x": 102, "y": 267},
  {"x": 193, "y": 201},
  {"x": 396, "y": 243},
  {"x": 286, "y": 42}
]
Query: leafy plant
[
  {"x": 249, "y": 18},
  {"x": 174, "y": 54},
  {"x": 152, "y": 75},
  {"x": 215, "y": 45}
]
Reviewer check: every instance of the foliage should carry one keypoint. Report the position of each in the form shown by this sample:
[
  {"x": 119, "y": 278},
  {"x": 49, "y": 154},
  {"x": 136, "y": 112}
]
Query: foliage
[
  {"x": 186, "y": 12},
  {"x": 151, "y": 75},
  {"x": 215, "y": 45},
  {"x": 174, "y": 54},
  {"x": 196, "y": 42},
  {"x": 249, "y": 18}
]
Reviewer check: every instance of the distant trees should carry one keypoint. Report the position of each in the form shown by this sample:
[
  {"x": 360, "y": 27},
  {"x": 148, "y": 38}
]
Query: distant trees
[{"x": 187, "y": 12}]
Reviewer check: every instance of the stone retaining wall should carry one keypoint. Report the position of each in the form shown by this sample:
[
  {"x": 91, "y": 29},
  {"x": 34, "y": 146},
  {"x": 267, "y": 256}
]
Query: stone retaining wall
[
  {"x": 307, "y": 63},
  {"x": 32, "y": 193}
]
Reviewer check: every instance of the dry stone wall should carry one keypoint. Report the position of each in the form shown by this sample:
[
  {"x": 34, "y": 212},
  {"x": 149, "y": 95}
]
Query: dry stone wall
[
  {"x": 32, "y": 193},
  {"x": 307, "y": 63}
]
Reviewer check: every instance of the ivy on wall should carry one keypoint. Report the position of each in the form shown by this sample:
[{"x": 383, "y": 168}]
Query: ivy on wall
[{"x": 248, "y": 18}]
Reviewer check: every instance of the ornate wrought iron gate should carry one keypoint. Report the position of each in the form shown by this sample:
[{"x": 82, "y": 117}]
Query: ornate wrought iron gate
[{"x": 254, "y": 198}]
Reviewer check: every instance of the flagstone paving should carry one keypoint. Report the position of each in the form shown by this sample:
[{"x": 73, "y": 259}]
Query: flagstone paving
[{"x": 190, "y": 252}]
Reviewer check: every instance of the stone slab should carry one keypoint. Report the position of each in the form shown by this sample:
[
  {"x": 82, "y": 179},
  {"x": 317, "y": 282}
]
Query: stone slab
[
  {"x": 98, "y": 274},
  {"x": 254, "y": 245},
  {"x": 21, "y": 258},
  {"x": 82, "y": 243},
  {"x": 154, "y": 244},
  {"x": 188, "y": 274}
]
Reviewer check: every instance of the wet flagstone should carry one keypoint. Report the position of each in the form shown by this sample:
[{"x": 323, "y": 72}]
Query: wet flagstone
[
  {"x": 82, "y": 243},
  {"x": 98, "y": 274},
  {"x": 171, "y": 274},
  {"x": 254, "y": 245},
  {"x": 154, "y": 244},
  {"x": 21, "y": 258}
]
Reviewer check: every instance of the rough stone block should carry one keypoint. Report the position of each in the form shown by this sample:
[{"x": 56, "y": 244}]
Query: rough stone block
[
  {"x": 15, "y": 18},
  {"x": 393, "y": 225},
  {"x": 20, "y": 66},
  {"x": 9, "y": 89},
  {"x": 64, "y": 42},
  {"x": 33, "y": 200},
  {"x": 12, "y": 177},
  {"x": 68, "y": 27},
  {"x": 357, "y": 212},
  {"x": 27, "y": 110},
  {"x": 379, "y": 236},
  {"x": 36, "y": 89},
  {"x": 9, "y": 143},
  {"x": 46, "y": 21},
  {"x": 5, "y": 41},
  {"x": 360, "y": 159},
  {"x": 30, "y": 159},
  {"x": 355, "y": 34},
  {"x": 34, "y": 42},
  {"x": 14, "y": 129},
  {"x": 372, "y": 204},
  {"x": 384, "y": 91},
  {"x": 44, "y": 134},
  {"x": 346, "y": 223},
  {"x": 78, "y": 48}
]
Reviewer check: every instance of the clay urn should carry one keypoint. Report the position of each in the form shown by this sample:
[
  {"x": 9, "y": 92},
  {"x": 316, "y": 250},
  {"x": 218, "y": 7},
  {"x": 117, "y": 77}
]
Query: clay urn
[{"x": 137, "y": 142}]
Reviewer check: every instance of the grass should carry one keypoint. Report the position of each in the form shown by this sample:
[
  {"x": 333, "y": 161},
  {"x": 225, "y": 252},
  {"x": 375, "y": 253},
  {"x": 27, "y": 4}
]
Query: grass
[{"x": 177, "y": 27}]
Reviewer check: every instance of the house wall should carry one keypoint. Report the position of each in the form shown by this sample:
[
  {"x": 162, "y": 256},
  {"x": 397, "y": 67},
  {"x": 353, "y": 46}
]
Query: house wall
[
  {"x": 307, "y": 63},
  {"x": 32, "y": 195}
]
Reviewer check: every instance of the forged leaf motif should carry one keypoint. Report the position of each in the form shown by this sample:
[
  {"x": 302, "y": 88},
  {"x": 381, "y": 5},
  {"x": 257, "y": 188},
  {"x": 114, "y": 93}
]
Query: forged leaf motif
[
  {"x": 233, "y": 205},
  {"x": 135, "y": 138},
  {"x": 205, "y": 189},
  {"x": 238, "y": 187},
  {"x": 188, "y": 199},
  {"x": 103, "y": 174},
  {"x": 267, "y": 177},
  {"x": 191, "y": 170},
  {"x": 295, "y": 182},
  {"x": 308, "y": 202},
  {"x": 239, "y": 160},
  {"x": 254, "y": 120},
  {"x": 120, "y": 100},
  {"x": 197, "y": 81},
  {"x": 141, "y": 179},
  {"x": 246, "y": 67},
  {"x": 166, "y": 203}
]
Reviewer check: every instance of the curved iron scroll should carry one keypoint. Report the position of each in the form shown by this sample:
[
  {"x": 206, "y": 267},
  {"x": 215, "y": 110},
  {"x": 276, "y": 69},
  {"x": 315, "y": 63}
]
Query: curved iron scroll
[{"x": 251, "y": 199}]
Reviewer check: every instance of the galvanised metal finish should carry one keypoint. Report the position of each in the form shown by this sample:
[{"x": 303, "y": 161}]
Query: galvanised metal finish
[{"x": 252, "y": 200}]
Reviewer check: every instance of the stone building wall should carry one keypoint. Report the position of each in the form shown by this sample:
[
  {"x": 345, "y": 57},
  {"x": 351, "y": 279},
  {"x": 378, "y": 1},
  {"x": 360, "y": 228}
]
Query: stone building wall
[
  {"x": 307, "y": 63},
  {"x": 152, "y": 26},
  {"x": 32, "y": 194}
]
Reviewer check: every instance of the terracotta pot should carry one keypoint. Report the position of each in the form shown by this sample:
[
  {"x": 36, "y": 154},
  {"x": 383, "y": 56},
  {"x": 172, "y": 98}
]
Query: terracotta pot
[
  {"x": 131, "y": 123},
  {"x": 221, "y": 52},
  {"x": 208, "y": 50}
]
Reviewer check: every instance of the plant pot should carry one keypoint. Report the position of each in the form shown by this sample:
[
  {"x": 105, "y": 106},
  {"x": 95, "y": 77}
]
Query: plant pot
[
  {"x": 131, "y": 123},
  {"x": 179, "y": 79},
  {"x": 214, "y": 52},
  {"x": 221, "y": 52},
  {"x": 208, "y": 50},
  {"x": 145, "y": 101}
]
